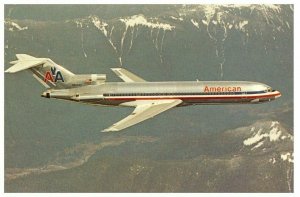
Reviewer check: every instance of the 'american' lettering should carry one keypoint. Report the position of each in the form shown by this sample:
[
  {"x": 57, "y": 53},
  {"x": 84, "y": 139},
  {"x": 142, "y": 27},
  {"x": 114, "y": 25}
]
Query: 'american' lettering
[{"x": 222, "y": 89}]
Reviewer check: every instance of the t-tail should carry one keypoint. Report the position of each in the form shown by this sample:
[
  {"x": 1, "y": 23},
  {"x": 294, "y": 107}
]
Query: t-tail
[{"x": 52, "y": 75}]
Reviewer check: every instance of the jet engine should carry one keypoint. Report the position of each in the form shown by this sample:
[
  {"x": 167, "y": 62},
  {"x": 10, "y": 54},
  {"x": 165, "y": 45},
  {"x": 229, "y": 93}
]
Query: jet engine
[{"x": 90, "y": 79}]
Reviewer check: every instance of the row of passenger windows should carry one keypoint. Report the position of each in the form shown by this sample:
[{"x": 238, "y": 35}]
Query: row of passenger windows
[{"x": 176, "y": 94}]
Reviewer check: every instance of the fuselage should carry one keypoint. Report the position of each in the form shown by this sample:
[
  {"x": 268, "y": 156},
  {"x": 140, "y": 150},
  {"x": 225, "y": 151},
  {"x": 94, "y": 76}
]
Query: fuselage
[{"x": 190, "y": 92}]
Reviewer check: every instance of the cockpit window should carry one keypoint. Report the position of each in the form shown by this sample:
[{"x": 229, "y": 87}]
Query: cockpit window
[{"x": 269, "y": 89}]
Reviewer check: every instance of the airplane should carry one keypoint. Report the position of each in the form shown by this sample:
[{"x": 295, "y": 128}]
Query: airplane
[{"x": 148, "y": 98}]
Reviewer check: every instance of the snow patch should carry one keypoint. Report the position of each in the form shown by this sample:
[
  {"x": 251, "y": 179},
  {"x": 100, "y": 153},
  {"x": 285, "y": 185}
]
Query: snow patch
[
  {"x": 283, "y": 137},
  {"x": 136, "y": 20},
  {"x": 287, "y": 24},
  {"x": 78, "y": 23},
  {"x": 257, "y": 145},
  {"x": 178, "y": 19},
  {"x": 275, "y": 134},
  {"x": 209, "y": 11},
  {"x": 195, "y": 23},
  {"x": 131, "y": 30},
  {"x": 242, "y": 24},
  {"x": 272, "y": 160},
  {"x": 14, "y": 26},
  {"x": 256, "y": 138},
  {"x": 287, "y": 157},
  {"x": 204, "y": 22},
  {"x": 274, "y": 123},
  {"x": 99, "y": 24}
]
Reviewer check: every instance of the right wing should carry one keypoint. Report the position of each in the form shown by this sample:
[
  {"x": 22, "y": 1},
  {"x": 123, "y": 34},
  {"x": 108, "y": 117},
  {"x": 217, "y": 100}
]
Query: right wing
[
  {"x": 127, "y": 76},
  {"x": 144, "y": 111}
]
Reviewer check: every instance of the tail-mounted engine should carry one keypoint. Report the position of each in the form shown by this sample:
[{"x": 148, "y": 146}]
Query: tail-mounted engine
[{"x": 91, "y": 79}]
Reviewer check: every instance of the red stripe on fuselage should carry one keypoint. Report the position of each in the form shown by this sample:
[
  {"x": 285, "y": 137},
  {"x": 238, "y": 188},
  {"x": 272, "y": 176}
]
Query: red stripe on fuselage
[{"x": 194, "y": 97}]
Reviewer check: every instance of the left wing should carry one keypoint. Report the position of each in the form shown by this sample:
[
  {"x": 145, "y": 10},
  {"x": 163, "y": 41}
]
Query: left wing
[{"x": 143, "y": 111}]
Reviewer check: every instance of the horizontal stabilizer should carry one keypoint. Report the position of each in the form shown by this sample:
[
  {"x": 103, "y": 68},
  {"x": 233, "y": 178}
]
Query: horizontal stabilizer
[
  {"x": 25, "y": 62},
  {"x": 25, "y": 57}
]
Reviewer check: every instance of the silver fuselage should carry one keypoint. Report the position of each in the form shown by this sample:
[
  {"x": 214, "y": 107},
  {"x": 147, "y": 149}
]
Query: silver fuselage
[
  {"x": 190, "y": 92},
  {"x": 148, "y": 98}
]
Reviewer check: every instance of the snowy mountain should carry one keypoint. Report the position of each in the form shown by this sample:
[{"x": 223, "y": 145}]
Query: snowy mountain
[
  {"x": 218, "y": 22},
  {"x": 255, "y": 158}
]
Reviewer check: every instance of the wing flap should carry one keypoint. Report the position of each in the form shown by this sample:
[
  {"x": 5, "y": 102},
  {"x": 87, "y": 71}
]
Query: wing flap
[
  {"x": 127, "y": 76},
  {"x": 144, "y": 112}
]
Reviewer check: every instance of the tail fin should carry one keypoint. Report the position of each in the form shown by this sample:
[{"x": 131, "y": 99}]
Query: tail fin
[{"x": 47, "y": 72}]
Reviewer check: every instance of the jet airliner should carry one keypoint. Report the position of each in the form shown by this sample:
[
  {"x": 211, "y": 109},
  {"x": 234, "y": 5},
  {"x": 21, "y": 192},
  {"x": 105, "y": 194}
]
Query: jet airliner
[{"x": 148, "y": 98}]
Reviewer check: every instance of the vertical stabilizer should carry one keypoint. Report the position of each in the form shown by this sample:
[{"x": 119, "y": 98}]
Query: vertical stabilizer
[{"x": 47, "y": 72}]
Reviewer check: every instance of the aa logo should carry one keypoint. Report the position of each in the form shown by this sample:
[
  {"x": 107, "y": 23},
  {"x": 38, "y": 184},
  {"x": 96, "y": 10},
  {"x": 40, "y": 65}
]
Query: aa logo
[{"x": 53, "y": 76}]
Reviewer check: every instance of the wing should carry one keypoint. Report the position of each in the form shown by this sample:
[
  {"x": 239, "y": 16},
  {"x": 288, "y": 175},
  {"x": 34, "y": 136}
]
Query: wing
[
  {"x": 143, "y": 111},
  {"x": 127, "y": 76}
]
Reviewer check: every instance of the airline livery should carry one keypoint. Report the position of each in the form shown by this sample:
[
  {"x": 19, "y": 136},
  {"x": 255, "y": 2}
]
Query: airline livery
[{"x": 148, "y": 98}]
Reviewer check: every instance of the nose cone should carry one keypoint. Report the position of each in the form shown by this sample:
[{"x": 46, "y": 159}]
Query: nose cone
[{"x": 278, "y": 94}]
